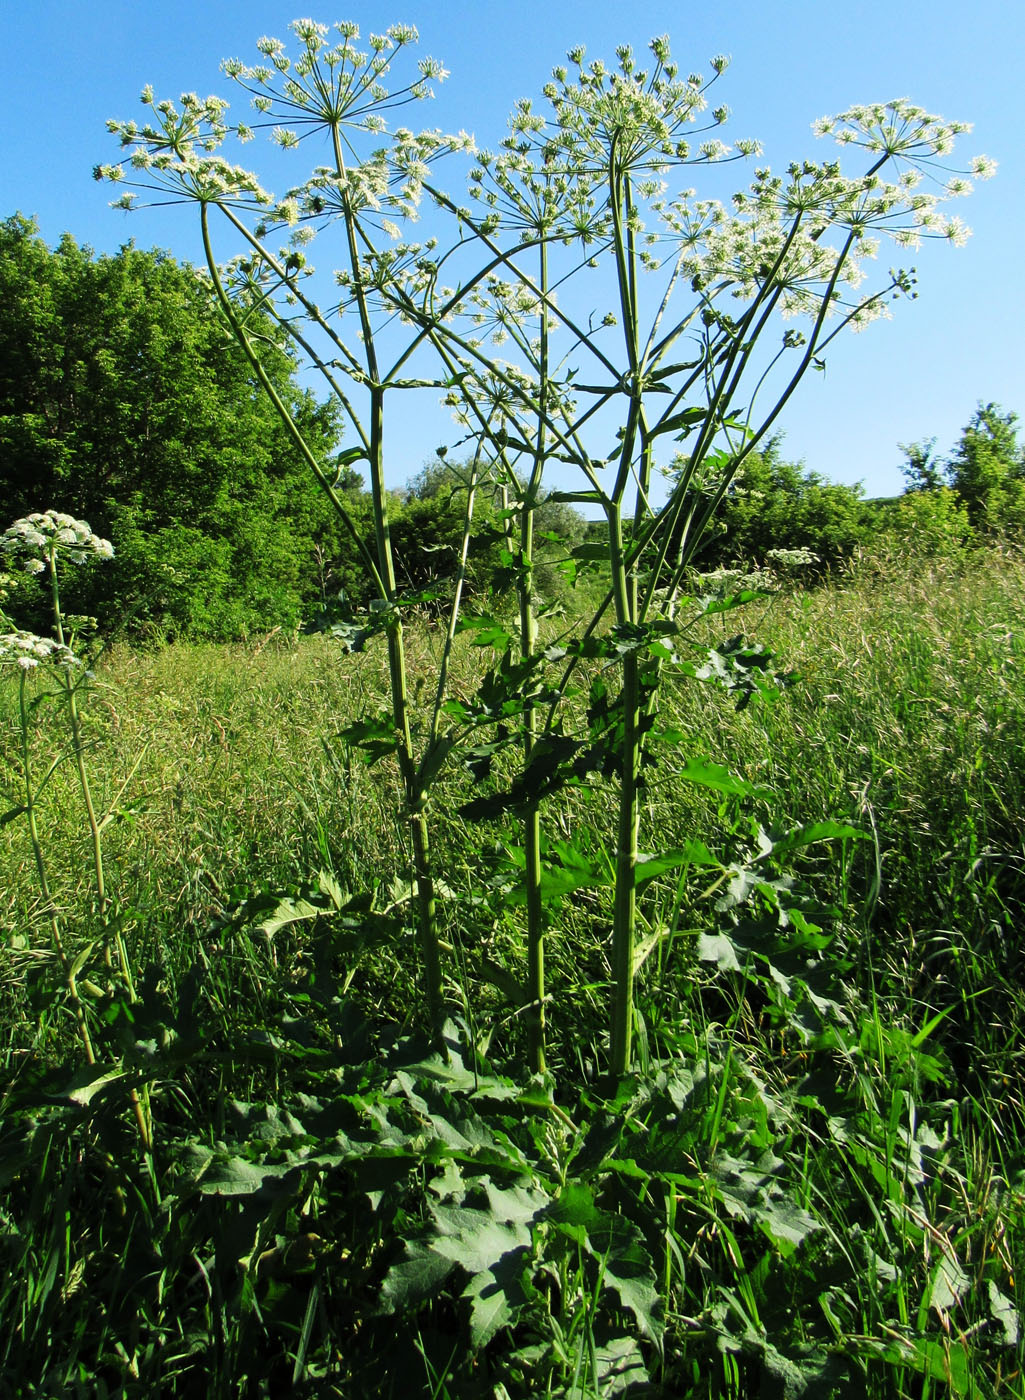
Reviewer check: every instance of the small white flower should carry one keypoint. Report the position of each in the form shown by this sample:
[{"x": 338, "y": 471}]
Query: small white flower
[
  {"x": 26, "y": 650},
  {"x": 46, "y": 535}
]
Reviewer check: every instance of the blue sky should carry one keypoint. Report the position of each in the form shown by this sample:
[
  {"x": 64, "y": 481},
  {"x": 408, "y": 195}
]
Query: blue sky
[{"x": 69, "y": 64}]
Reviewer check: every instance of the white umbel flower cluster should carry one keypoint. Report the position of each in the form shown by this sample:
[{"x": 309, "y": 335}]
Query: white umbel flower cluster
[
  {"x": 39, "y": 539},
  {"x": 27, "y": 651}
]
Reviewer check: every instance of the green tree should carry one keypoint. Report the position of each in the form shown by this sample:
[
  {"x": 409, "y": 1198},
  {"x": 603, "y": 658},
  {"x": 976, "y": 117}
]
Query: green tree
[
  {"x": 775, "y": 504},
  {"x": 987, "y": 471},
  {"x": 429, "y": 519},
  {"x": 124, "y": 401},
  {"x": 427, "y": 527},
  {"x": 924, "y": 469},
  {"x": 923, "y": 522}
]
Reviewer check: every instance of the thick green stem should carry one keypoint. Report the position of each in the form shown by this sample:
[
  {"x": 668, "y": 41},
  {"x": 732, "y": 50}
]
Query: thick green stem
[
  {"x": 427, "y": 925},
  {"x": 425, "y": 902},
  {"x": 624, "y": 588},
  {"x": 74, "y": 718},
  {"x": 441, "y": 690},
  {"x": 44, "y": 884},
  {"x": 535, "y": 941},
  {"x": 382, "y": 572},
  {"x": 528, "y": 641},
  {"x": 624, "y": 917}
]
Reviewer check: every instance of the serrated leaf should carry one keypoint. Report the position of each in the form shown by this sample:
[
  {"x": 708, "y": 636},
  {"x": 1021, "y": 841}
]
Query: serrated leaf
[
  {"x": 493, "y": 1253},
  {"x": 739, "y": 888},
  {"x": 414, "y": 1279},
  {"x": 619, "y": 1369},
  {"x": 944, "y": 1360},
  {"x": 234, "y": 1176},
  {"x": 718, "y": 948},
  {"x": 628, "y": 1269},
  {"x": 693, "y": 853},
  {"x": 785, "y": 1222},
  {"x": 449, "y": 1184},
  {"x": 495, "y": 636},
  {"x": 815, "y": 831},
  {"x": 1004, "y": 1314},
  {"x": 89, "y": 1082},
  {"x": 949, "y": 1284},
  {"x": 515, "y": 1203},
  {"x": 329, "y": 886},
  {"x": 574, "y": 1205},
  {"x": 791, "y": 1377},
  {"x": 566, "y": 868},
  {"x": 714, "y": 775},
  {"x": 288, "y": 911},
  {"x": 372, "y": 738},
  {"x": 688, "y": 420},
  {"x": 644, "y": 947},
  {"x": 714, "y": 604},
  {"x": 490, "y": 1307},
  {"x": 265, "y": 1122},
  {"x": 473, "y": 1237}
]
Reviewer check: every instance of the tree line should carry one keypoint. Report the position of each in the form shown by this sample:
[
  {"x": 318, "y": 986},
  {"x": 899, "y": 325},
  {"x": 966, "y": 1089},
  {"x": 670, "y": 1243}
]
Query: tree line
[{"x": 124, "y": 401}]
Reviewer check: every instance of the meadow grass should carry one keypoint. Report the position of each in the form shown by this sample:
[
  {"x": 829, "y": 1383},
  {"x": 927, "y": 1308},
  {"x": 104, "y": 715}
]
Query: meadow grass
[{"x": 892, "y": 1265}]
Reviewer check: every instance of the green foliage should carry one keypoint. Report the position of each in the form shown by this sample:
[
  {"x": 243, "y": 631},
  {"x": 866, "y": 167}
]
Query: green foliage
[
  {"x": 720, "y": 1228},
  {"x": 730, "y": 1110},
  {"x": 792, "y": 247},
  {"x": 123, "y": 401},
  {"x": 923, "y": 523},
  {"x": 987, "y": 471},
  {"x": 774, "y": 504},
  {"x": 426, "y": 522},
  {"x": 813, "y": 1187},
  {"x": 923, "y": 469}
]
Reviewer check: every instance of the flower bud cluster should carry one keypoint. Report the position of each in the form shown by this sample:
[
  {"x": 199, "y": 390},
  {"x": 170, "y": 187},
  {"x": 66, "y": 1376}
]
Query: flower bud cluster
[
  {"x": 790, "y": 561},
  {"x": 27, "y": 651},
  {"x": 590, "y": 166},
  {"x": 39, "y": 539},
  {"x": 642, "y": 112}
]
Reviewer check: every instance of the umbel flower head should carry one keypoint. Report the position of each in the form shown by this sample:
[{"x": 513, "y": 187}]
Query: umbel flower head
[
  {"x": 38, "y": 540},
  {"x": 27, "y": 651}
]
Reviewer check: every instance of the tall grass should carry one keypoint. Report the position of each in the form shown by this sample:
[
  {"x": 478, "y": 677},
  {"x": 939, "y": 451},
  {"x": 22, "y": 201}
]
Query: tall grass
[
  {"x": 907, "y": 718},
  {"x": 787, "y": 1199}
]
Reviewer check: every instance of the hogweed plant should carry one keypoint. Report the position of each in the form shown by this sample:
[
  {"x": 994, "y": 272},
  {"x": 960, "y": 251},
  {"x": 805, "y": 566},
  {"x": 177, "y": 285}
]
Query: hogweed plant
[
  {"x": 38, "y": 544},
  {"x": 42, "y": 544},
  {"x": 26, "y": 653},
  {"x": 710, "y": 315},
  {"x": 333, "y": 95},
  {"x": 588, "y": 182}
]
